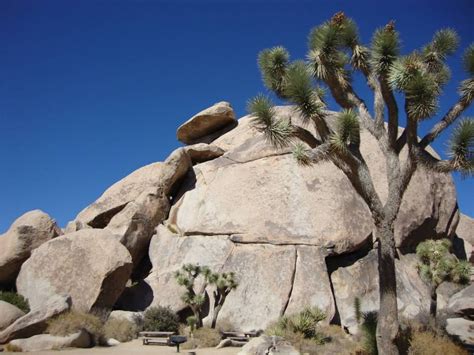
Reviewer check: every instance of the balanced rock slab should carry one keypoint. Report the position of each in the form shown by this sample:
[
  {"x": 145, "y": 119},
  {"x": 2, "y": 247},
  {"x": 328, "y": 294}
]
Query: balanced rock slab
[
  {"x": 206, "y": 122},
  {"x": 259, "y": 194},
  {"x": 8, "y": 314},
  {"x": 35, "y": 322},
  {"x": 462, "y": 303},
  {"x": 161, "y": 176},
  {"x": 91, "y": 266},
  {"x": 27, "y": 233}
]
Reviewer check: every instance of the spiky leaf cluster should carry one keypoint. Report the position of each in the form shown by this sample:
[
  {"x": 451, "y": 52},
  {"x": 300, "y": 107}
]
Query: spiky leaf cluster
[
  {"x": 437, "y": 264},
  {"x": 225, "y": 281},
  {"x": 300, "y": 153},
  {"x": 273, "y": 63},
  {"x": 347, "y": 130},
  {"x": 277, "y": 131},
  {"x": 385, "y": 48},
  {"x": 468, "y": 59},
  {"x": 299, "y": 90},
  {"x": 444, "y": 43},
  {"x": 461, "y": 146}
]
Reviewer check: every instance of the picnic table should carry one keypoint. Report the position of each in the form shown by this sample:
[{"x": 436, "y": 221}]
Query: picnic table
[{"x": 158, "y": 338}]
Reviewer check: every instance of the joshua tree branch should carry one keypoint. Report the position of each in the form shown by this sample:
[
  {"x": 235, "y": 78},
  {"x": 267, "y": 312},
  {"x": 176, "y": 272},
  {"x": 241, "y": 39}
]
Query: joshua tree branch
[{"x": 306, "y": 136}]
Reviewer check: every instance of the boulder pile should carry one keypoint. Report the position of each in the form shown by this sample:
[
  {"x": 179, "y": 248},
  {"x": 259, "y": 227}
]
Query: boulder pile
[{"x": 294, "y": 236}]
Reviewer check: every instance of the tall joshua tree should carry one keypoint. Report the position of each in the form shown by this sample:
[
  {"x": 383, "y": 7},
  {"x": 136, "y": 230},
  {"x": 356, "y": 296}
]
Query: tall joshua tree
[{"x": 335, "y": 52}]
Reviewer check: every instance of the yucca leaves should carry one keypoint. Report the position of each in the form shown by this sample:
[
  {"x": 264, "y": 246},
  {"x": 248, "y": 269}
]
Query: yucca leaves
[
  {"x": 445, "y": 42},
  {"x": 461, "y": 146},
  {"x": 277, "y": 131},
  {"x": 385, "y": 48},
  {"x": 299, "y": 90},
  {"x": 422, "y": 96},
  {"x": 273, "y": 63},
  {"x": 300, "y": 153},
  {"x": 347, "y": 131},
  {"x": 468, "y": 59}
]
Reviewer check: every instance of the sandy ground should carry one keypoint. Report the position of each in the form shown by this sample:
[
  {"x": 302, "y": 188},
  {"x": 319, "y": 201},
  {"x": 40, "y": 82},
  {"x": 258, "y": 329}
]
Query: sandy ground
[{"x": 136, "y": 347}]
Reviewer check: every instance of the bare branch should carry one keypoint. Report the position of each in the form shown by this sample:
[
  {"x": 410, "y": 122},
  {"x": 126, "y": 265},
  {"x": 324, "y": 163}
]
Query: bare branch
[
  {"x": 306, "y": 136},
  {"x": 392, "y": 106}
]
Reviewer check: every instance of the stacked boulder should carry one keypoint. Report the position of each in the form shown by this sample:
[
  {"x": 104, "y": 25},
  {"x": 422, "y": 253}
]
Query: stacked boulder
[{"x": 294, "y": 236}]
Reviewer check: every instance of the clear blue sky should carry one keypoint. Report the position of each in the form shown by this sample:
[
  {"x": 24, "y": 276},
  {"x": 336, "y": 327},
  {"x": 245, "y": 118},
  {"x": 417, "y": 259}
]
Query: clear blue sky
[{"x": 91, "y": 90}]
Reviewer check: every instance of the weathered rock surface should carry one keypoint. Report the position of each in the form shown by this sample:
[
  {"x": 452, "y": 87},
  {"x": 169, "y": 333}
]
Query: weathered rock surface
[
  {"x": 361, "y": 280},
  {"x": 27, "y": 233},
  {"x": 265, "y": 344},
  {"x": 462, "y": 303},
  {"x": 34, "y": 322},
  {"x": 464, "y": 242},
  {"x": 202, "y": 152},
  {"x": 444, "y": 292},
  {"x": 260, "y": 194},
  {"x": 206, "y": 122},
  {"x": 133, "y": 317},
  {"x": 273, "y": 280},
  {"x": 8, "y": 314},
  {"x": 90, "y": 265},
  {"x": 461, "y": 328},
  {"x": 44, "y": 342},
  {"x": 160, "y": 176}
]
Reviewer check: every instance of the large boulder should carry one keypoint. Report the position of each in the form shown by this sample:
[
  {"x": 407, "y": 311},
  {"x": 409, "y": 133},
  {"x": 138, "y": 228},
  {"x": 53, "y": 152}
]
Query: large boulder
[
  {"x": 462, "y": 329},
  {"x": 43, "y": 342},
  {"x": 202, "y": 126},
  {"x": 464, "y": 241},
  {"x": 273, "y": 279},
  {"x": 361, "y": 280},
  {"x": 35, "y": 322},
  {"x": 27, "y": 233},
  {"x": 90, "y": 266},
  {"x": 9, "y": 313},
  {"x": 161, "y": 176},
  {"x": 268, "y": 345},
  {"x": 462, "y": 303},
  {"x": 260, "y": 194}
]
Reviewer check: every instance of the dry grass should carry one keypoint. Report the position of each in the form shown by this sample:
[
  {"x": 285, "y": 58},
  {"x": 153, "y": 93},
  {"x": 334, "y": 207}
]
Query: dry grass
[
  {"x": 202, "y": 338},
  {"x": 120, "y": 329},
  {"x": 428, "y": 343},
  {"x": 72, "y": 322},
  {"x": 12, "y": 348}
]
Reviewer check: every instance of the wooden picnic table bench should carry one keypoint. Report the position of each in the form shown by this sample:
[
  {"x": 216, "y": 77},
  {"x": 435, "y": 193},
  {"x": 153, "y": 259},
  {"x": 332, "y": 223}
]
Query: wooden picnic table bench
[
  {"x": 155, "y": 334},
  {"x": 157, "y": 338},
  {"x": 239, "y": 334}
]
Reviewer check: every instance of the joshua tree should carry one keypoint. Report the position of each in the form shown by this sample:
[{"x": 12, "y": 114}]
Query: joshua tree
[
  {"x": 437, "y": 264},
  {"x": 335, "y": 52},
  {"x": 224, "y": 283},
  {"x": 195, "y": 297}
]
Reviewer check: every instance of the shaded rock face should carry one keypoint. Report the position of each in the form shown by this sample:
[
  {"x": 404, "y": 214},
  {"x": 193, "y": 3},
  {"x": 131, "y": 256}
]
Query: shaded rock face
[
  {"x": 273, "y": 280},
  {"x": 44, "y": 342},
  {"x": 90, "y": 266},
  {"x": 35, "y": 322},
  {"x": 8, "y": 314},
  {"x": 462, "y": 303},
  {"x": 361, "y": 280},
  {"x": 202, "y": 126},
  {"x": 464, "y": 241},
  {"x": 27, "y": 233},
  {"x": 462, "y": 329}
]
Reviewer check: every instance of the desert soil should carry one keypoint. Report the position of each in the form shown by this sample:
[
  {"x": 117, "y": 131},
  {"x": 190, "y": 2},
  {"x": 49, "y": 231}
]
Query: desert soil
[{"x": 136, "y": 347}]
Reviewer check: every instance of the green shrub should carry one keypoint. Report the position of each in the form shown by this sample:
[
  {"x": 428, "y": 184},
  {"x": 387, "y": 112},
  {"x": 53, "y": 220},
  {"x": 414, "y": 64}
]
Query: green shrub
[
  {"x": 73, "y": 321},
  {"x": 369, "y": 329},
  {"x": 428, "y": 343},
  {"x": 161, "y": 319},
  {"x": 304, "y": 323},
  {"x": 120, "y": 329},
  {"x": 202, "y": 338},
  {"x": 15, "y": 299}
]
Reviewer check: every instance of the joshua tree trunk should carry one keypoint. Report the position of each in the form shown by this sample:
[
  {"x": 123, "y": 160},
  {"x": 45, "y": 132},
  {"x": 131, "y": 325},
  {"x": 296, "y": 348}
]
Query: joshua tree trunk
[
  {"x": 433, "y": 304},
  {"x": 387, "y": 325},
  {"x": 220, "y": 299}
]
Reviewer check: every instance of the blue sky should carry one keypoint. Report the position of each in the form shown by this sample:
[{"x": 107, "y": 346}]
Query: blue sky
[{"x": 91, "y": 90}]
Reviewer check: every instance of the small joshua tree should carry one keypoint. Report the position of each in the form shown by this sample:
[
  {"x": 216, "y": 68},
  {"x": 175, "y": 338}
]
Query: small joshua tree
[
  {"x": 437, "y": 264},
  {"x": 224, "y": 283},
  {"x": 195, "y": 296},
  {"x": 405, "y": 88}
]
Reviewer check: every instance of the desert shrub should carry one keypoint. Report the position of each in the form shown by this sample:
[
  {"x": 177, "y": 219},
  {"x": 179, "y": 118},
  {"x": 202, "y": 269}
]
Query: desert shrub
[
  {"x": 161, "y": 319},
  {"x": 73, "y": 321},
  {"x": 13, "y": 348},
  {"x": 202, "y": 338},
  {"x": 304, "y": 323},
  {"x": 428, "y": 343},
  {"x": 120, "y": 329},
  {"x": 369, "y": 329},
  {"x": 15, "y": 299}
]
